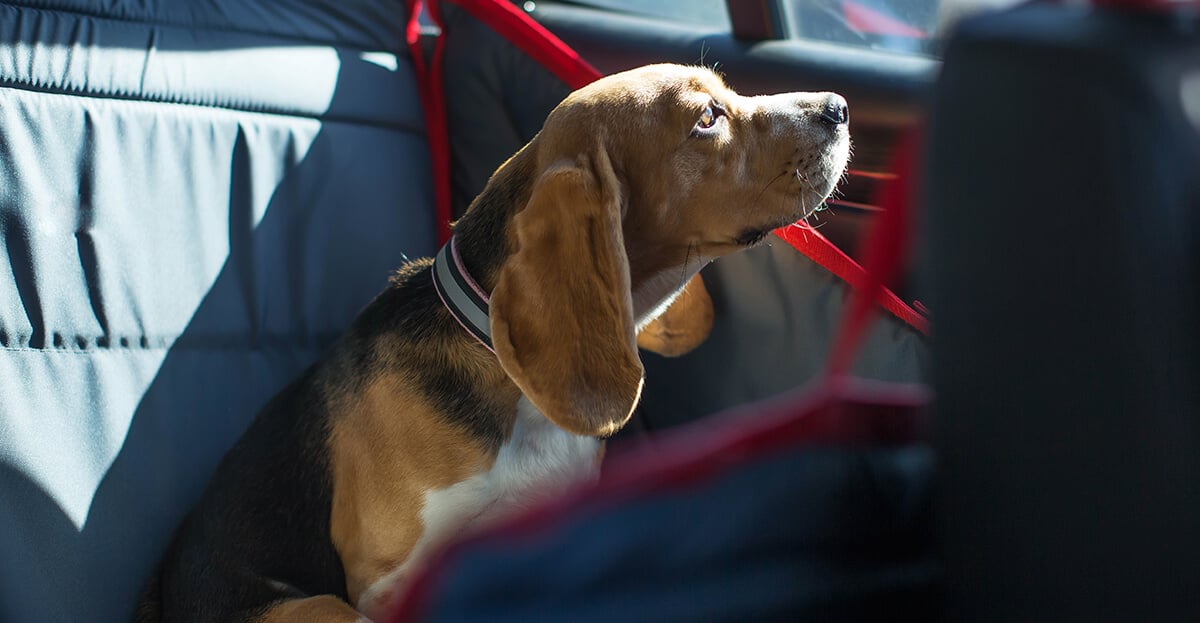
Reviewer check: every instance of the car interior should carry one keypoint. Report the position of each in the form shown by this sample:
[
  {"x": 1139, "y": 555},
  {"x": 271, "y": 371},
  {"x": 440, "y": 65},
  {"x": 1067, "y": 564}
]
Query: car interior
[{"x": 197, "y": 198}]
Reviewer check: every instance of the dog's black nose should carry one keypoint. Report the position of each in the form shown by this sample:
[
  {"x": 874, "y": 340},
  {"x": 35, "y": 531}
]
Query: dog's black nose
[{"x": 835, "y": 111}]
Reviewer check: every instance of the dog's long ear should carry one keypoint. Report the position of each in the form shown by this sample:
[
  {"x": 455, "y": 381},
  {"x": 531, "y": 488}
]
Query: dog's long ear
[
  {"x": 684, "y": 325},
  {"x": 561, "y": 312}
]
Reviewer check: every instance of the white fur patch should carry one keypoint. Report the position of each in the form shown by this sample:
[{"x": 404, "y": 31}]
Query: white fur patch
[{"x": 538, "y": 460}]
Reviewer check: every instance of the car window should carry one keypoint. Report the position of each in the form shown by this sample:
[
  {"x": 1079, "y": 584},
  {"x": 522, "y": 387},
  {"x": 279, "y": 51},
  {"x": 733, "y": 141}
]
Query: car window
[
  {"x": 900, "y": 26},
  {"x": 710, "y": 13},
  {"x": 905, "y": 26}
]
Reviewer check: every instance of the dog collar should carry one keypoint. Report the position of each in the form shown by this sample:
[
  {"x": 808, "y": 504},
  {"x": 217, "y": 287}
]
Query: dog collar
[{"x": 467, "y": 302}]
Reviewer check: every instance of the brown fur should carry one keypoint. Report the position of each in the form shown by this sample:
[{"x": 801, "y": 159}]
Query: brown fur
[
  {"x": 543, "y": 336},
  {"x": 319, "y": 609},
  {"x": 386, "y": 452},
  {"x": 685, "y": 324}
]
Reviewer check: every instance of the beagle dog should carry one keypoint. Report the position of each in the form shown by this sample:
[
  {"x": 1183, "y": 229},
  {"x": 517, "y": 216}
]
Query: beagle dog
[{"x": 485, "y": 379}]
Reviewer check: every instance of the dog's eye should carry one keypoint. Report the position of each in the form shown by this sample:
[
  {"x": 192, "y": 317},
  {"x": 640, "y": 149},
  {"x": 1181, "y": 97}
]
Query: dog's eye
[{"x": 709, "y": 117}]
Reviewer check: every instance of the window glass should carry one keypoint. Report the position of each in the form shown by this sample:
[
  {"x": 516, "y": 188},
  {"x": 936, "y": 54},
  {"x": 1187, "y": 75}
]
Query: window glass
[
  {"x": 908, "y": 26},
  {"x": 903, "y": 26},
  {"x": 710, "y": 13}
]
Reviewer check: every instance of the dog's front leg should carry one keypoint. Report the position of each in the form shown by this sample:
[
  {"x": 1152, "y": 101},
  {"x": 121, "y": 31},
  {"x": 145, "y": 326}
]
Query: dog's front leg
[
  {"x": 444, "y": 514},
  {"x": 320, "y": 609}
]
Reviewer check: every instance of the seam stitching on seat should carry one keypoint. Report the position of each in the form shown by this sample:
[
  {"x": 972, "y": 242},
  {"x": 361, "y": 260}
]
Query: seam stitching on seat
[
  {"x": 67, "y": 91},
  {"x": 146, "y": 22}
]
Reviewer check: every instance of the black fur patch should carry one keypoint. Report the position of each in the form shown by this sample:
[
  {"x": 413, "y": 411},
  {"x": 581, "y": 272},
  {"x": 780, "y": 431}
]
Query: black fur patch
[{"x": 261, "y": 530}]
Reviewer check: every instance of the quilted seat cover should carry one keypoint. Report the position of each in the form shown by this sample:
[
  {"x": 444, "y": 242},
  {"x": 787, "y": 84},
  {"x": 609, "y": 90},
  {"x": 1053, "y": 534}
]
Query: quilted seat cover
[{"x": 195, "y": 199}]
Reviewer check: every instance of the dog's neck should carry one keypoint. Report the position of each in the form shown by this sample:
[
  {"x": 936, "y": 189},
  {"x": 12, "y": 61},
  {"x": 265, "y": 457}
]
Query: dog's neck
[
  {"x": 482, "y": 234},
  {"x": 463, "y": 297}
]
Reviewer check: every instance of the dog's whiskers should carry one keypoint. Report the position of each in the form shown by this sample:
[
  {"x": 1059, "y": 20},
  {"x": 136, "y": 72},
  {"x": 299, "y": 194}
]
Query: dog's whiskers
[
  {"x": 806, "y": 186},
  {"x": 768, "y": 185}
]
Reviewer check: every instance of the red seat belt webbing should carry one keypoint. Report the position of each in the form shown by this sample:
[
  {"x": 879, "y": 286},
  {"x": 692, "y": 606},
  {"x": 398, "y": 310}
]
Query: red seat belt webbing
[{"x": 433, "y": 100}]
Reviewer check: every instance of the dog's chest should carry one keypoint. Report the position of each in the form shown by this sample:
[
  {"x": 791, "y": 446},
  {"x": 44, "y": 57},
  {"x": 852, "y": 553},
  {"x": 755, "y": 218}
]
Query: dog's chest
[{"x": 538, "y": 460}]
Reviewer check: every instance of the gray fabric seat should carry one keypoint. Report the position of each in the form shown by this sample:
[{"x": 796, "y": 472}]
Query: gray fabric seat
[{"x": 195, "y": 199}]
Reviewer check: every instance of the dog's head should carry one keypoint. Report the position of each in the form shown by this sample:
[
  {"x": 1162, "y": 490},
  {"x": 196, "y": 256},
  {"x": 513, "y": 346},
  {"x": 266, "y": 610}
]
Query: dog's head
[{"x": 639, "y": 180}]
